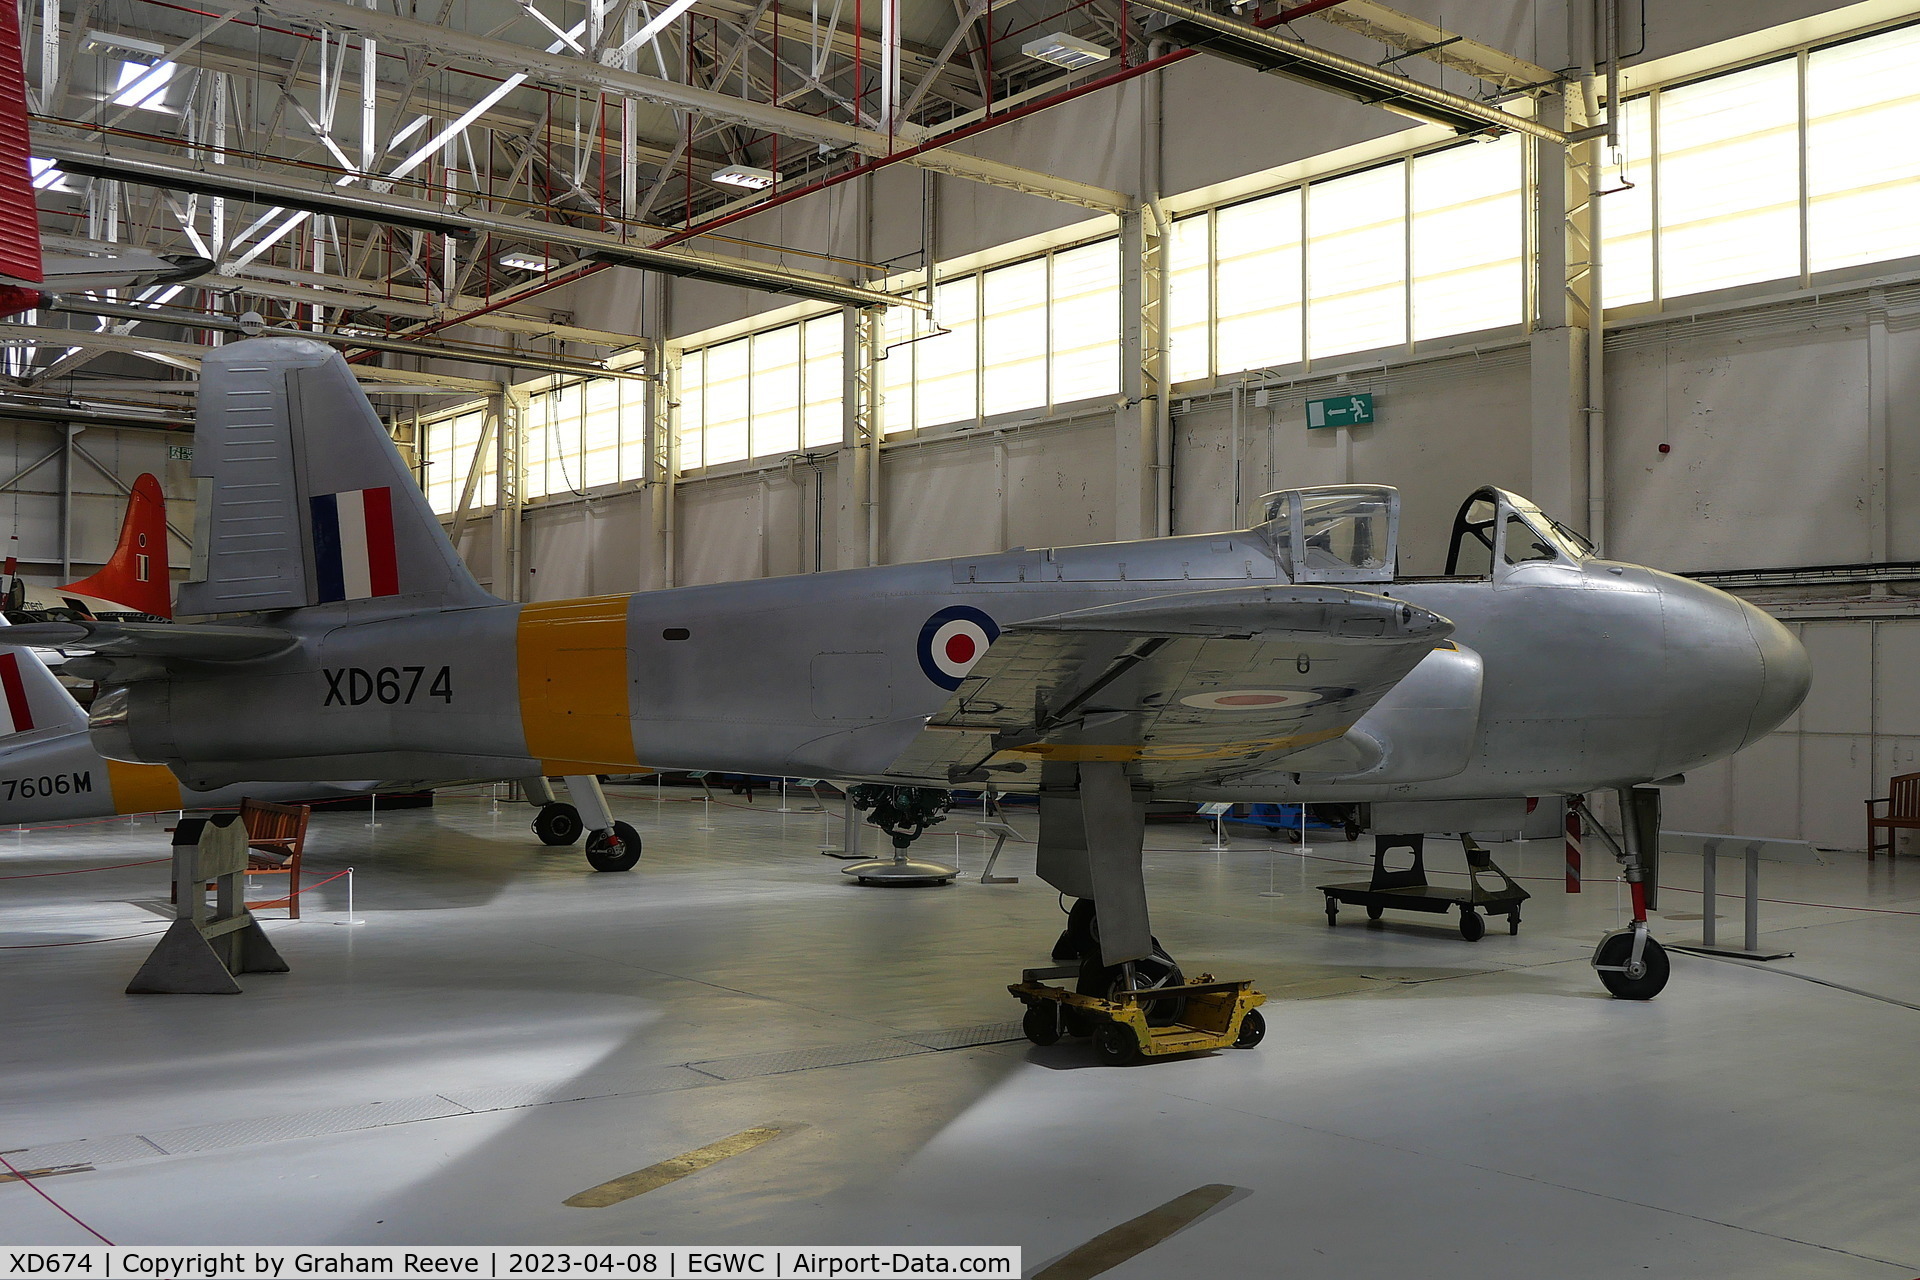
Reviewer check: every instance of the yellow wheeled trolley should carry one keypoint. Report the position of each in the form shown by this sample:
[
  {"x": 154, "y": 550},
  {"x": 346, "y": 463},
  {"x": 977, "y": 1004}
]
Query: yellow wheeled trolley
[{"x": 1206, "y": 1015}]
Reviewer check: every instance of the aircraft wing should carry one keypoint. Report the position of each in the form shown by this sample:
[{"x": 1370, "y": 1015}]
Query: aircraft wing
[
  {"x": 161, "y": 641},
  {"x": 1185, "y": 688}
]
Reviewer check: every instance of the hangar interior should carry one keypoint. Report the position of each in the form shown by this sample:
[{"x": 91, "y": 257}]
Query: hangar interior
[{"x": 662, "y": 295}]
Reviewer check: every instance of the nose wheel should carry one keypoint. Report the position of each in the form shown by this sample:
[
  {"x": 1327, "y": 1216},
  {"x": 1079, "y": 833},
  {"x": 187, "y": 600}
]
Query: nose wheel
[{"x": 1627, "y": 976}]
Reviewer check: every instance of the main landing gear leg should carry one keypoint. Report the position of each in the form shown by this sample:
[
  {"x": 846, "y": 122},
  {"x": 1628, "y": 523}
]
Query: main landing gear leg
[
  {"x": 611, "y": 846},
  {"x": 1631, "y": 964},
  {"x": 1091, "y": 836}
]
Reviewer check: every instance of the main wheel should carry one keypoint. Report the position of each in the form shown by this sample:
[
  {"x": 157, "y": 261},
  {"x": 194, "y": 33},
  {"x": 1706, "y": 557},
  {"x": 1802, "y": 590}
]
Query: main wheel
[
  {"x": 1078, "y": 938},
  {"x": 1253, "y": 1029},
  {"x": 1042, "y": 1022},
  {"x": 1115, "y": 1045},
  {"x": 1654, "y": 968},
  {"x": 558, "y": 824},
  {"x": 1473, "y": 925},
  {"x": 1374, "y": 913},
  {"x": 618, "y": 850},
  {"x": 1150, "y": 974}
]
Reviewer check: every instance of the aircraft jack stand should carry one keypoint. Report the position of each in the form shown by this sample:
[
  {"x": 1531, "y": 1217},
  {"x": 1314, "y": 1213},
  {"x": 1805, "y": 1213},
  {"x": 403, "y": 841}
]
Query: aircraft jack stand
[
  {"x": 1213, "y": 1015},
  {"x": 1408, "y": 890}
]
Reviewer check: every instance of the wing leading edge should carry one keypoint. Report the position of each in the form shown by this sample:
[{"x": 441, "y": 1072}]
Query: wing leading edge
[{"x": 1187, "y": 688}]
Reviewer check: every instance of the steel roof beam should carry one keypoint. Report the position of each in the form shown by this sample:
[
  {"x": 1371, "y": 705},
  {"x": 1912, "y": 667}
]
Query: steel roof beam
[
  {"x": 560, "y": 69},
  {"x": 152, "y": 169},
  {"x": 1437, "y": 45}
]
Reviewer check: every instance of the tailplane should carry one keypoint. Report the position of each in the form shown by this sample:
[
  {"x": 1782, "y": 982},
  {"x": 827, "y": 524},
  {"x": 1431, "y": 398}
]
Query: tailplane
[
  {"x": 32, "y": 697},
  {"x": 136, "y": 575},
  {"x": 304, "y": 500}
]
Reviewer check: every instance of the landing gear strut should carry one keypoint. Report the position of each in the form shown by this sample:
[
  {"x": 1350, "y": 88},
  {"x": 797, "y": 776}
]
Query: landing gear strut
[
  {"x": 1631, "y": 964},
  {"x": 611, "y": 846}
]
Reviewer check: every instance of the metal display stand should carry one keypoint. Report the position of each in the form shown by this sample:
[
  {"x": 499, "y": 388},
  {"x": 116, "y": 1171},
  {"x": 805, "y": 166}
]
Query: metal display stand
[
  {"x": 205, "y": 947},
  {"x": 1712, "y": 848},
  {"x": 1408, "y": 890},
  {"x": 1002, "y": 832}
]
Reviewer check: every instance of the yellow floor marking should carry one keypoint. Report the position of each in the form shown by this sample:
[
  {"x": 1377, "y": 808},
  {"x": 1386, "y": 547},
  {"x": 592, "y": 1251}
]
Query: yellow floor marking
[
  {"x": 655, "y": 1176},
  {"x": 1130, "y": 1239}
]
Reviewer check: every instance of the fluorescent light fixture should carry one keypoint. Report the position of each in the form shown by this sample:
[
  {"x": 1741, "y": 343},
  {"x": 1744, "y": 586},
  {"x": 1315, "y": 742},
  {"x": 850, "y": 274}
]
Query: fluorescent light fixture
[
  {"x": 744, "y": 175},
  {"x": 1063, "y": 50},
  {"x": 517, "y": 261}
]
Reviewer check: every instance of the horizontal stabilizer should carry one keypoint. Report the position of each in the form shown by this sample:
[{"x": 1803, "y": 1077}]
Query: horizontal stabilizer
[
  {"x": 31, "y": 698},
  {"x": 160, "y": 641}
]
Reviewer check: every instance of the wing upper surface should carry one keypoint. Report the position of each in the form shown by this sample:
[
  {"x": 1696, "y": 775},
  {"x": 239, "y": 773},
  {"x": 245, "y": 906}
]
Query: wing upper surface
[{"x": 1183, "y": 688}]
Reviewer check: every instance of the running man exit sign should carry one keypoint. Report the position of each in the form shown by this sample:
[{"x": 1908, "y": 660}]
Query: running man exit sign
[{"x": 1341, "y": 411}]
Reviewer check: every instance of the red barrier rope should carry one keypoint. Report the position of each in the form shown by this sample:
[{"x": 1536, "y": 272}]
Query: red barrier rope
[
  {"x": 50, "y": 1200},
  {"x": 36, "y": 875}
]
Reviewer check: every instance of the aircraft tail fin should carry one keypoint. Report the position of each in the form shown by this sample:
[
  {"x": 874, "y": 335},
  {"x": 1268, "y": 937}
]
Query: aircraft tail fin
[
  {"x": 31, "y": 697},
  {"x": 19, "y": 219},
  {"x": 304, "y": 500},
  {"x": 136, "y": 575}
]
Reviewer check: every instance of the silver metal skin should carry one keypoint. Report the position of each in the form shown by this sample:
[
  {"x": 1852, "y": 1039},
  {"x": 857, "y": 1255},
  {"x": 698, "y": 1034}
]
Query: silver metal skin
[{"x": 1166, "y": 665}]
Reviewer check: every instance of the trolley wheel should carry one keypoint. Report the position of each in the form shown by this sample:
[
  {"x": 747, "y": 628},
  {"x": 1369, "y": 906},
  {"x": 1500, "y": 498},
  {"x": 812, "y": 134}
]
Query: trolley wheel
[
  {"x": 1513, "y": 924},
  {"x": 1374, "y": 913},
  {"x": 618, "y": 850},
  {"x": 1333, "y": 909},
  {"x": 1042, "y": 1022},
  {"x": 1654, "y": 965},
  {"x": 1253, "y": 1029},
  {"x": 1113, "y": 1042},
  {"x": 558, "y": 824},
  {"x": 1473, "y": 925},
  {"x": 1075, "y": 1022}
]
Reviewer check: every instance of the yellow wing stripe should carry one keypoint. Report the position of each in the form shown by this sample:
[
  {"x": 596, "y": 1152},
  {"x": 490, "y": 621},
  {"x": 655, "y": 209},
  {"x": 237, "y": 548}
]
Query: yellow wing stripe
[
  {"x": 573, "y": 685},
  {"x": 142, "y": 788}
]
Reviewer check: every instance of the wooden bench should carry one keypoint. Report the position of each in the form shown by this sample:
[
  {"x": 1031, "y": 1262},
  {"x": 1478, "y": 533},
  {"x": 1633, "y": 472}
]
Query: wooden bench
[
  {"x": 1903, "y": 813},
  {"x": 276, "y": 837}
]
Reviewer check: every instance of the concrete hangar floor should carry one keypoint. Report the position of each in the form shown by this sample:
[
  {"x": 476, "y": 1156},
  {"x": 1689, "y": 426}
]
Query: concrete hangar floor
[{"x": 507, "y": 1029}]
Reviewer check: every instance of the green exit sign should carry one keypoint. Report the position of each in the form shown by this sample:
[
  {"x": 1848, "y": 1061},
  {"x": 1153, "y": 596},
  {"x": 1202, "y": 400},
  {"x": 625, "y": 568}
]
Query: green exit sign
[
  {"x": 179, "y": 453},
  {"x": 1341, "y": 411}
]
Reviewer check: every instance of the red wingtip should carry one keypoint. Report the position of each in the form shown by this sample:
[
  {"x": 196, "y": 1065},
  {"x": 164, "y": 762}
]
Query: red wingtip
[
  {"x": 137, "y": 576},
  {"x": 19, "y": 216}
]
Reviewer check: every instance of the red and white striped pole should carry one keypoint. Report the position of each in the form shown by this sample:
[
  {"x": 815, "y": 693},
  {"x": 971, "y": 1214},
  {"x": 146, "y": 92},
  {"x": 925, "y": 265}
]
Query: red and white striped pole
[{"x": 1574, "y": 833}]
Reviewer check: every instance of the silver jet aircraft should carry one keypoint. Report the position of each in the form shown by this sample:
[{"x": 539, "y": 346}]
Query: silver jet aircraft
[{"x": 1282, "y": 662}]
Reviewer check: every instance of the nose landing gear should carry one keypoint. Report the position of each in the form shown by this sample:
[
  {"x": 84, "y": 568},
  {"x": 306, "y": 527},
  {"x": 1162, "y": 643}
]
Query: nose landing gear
[{"x": 1631, "y": 965}]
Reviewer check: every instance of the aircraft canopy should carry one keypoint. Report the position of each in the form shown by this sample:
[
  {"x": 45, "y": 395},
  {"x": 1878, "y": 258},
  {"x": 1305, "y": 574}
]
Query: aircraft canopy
[{"x": 1336, "y": 532}]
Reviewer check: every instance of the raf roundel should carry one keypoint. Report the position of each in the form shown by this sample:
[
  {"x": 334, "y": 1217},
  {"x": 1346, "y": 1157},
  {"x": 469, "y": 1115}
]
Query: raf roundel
[
  {"x": 1252, "y": 699},
  {"x": 952, "y": 640}
]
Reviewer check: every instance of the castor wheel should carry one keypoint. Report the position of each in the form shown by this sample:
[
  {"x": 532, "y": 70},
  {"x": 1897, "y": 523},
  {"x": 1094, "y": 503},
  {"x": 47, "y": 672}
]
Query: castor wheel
[
  {"x": 1654, "y": 968},
  {"x": 558, "y": 824},
  {"x": 1253, "y": 1029},
  {"x": 1333, "y": 910},
  {"x": 1114, "y": 1044},
  {"x": 1042, "y": 1022},
  {"x": 617, "y": 850},
  {"x": 1473, "y": 925},
  {"x": 1513, "y": 924},
  {"x": 1374, "y": 913}
]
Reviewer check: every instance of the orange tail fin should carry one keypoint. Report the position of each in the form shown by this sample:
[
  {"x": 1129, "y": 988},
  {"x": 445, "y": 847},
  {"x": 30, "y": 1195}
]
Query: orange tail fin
[{"x": 136, "y": 576}]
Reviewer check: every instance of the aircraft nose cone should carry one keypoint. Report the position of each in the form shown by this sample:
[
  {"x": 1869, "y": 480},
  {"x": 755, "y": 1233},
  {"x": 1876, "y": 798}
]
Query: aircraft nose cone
[{"x": 1785, "y": 673}]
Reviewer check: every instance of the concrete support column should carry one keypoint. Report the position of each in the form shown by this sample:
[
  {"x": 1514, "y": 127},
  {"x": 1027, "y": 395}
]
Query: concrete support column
[
  {"x": 1142, "y": 479},
  {"x": 663, "y": 456},
  {"x": 512, "y": 407},
  {"x": 1561, "y": 289},
  {"x": 861, "y": 430}
]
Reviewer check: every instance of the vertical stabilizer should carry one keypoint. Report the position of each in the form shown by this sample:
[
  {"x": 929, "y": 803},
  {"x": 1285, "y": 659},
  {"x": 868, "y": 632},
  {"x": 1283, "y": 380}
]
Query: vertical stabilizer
[
  {"x": 31, "y": 698},
  {"x": 136, "y": 576},
  {"x": 304, "y": 500},
  {"x": 19, "y": 218}
]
